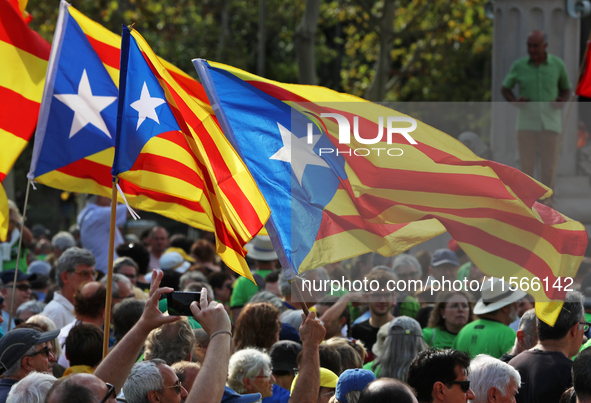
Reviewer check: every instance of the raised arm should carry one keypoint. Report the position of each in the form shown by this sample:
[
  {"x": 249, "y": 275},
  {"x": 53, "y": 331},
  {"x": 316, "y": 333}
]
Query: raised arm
[
  {"x": 308, "y": 383},
  {"x": 209, "y": 385},
  {"x": 116, "y": 366}
]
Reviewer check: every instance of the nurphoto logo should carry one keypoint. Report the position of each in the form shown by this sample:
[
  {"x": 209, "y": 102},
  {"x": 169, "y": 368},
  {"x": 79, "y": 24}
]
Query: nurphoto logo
[{"x": 392, "y": 128}]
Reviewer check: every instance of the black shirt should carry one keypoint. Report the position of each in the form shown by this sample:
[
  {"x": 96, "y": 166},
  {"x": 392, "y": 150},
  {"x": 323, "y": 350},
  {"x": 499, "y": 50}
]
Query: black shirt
[
  {"x": 366, "y": 333},
  {"x": 545, "y": 375}
]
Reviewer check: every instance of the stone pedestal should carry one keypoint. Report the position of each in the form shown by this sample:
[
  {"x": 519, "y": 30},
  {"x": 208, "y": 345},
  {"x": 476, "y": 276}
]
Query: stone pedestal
[{"x": 513, "y": 21}]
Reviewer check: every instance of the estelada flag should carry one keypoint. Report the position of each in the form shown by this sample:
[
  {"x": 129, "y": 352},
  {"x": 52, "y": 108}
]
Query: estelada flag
[
  {"x": 332, "y": 200},
  {"x": 167, "y": 143},
  {"x": 75, "y": 138}
]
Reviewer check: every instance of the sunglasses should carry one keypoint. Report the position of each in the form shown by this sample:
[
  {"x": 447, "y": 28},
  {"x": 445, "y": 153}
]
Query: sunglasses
[
  {"x": 23, "y": 287},
  {"x": 178, "y": 387},
  {"x": 110, "y": 392},
  {"x": 45, "y": 350},
  {"x": 465, "y": 385}
]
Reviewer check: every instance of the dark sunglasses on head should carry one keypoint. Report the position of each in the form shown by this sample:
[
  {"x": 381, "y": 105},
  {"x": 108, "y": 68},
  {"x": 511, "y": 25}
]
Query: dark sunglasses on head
[{"x": 465, "y": 385}]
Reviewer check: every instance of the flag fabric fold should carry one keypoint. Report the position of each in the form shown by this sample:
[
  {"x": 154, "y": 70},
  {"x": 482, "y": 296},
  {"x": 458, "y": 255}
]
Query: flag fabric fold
[
  {"x": 584, "y": 84},
  {"x": 75, "y": 138},
  {"x": 160, "y": 126},
  {"x": 24, "y": 56},
  {"x": 328, "y": 202}
]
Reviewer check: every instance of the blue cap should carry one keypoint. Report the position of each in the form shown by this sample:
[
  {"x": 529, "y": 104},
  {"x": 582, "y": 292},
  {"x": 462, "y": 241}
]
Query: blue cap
[
  {"x": 230, "y": 396},
  {"x": 8, "y": 276},
  {"x": 442, "y": 256},
  {"x": 353, "y": 379}
]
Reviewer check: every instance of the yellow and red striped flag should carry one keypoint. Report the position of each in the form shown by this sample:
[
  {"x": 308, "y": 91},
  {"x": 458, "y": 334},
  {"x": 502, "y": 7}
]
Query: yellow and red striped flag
[
  {"x": 334, "y": 195},
  {"x": 24, "y": 56},
  {"x": 86, "y": 167},
  {"x": 160, "y": 125}
]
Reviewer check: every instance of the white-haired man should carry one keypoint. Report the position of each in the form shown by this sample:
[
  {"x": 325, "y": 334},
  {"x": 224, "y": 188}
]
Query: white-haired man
[{"x": 492, "y": 380}]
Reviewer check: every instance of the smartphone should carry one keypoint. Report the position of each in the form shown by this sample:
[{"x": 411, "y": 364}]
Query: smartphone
[{"x": 179, "y": 303}]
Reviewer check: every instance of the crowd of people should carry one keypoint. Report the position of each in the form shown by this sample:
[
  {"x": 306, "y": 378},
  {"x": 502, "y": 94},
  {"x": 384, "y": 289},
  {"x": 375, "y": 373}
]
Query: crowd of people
[{"x": 263, "y": 342}]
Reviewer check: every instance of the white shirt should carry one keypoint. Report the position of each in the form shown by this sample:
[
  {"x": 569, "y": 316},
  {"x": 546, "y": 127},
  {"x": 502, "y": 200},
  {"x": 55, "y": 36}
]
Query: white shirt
[
  {"x": 61, "y": 338},
  {"x": 94, "y": 223},
  {"x": 59, "y": 310}
]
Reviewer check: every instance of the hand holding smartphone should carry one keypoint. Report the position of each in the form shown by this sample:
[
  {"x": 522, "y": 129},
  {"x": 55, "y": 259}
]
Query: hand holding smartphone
[{"x": 179, "y": 303}]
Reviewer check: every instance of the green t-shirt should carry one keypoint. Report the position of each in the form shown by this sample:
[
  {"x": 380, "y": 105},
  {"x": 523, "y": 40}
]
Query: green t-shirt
[
  {"x": 541, "y": 84},
  {"x": 244, "y": 289},
  {"x": 484, "y": 336},
  {"x": 378, "y": 370},
  {"x": 438, "y": 338},
  {"x": 409, "y": 307}
]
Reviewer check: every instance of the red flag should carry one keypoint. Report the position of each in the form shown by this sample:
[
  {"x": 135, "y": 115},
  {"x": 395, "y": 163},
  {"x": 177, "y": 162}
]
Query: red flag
[{"x": 584, "y": 85}]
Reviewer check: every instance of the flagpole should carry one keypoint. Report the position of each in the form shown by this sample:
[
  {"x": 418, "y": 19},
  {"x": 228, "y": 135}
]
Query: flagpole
[
  {"x": 300, "y": 297},
  {"x": 108, "y": 299},
  {"x": 18, "y": 254}
]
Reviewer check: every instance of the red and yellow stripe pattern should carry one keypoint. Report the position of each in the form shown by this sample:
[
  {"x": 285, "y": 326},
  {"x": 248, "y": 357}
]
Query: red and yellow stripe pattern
[
  {"x": 93, "y": 173},
  {"x": 206, "y": 164},
  {"x": 389, "y": 204},
  {"x": 24, "y": 56}
]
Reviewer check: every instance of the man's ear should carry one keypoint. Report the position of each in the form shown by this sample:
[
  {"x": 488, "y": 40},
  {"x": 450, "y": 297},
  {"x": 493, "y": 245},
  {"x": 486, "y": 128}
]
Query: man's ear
[
  {"x": 493, "y": 394},
  {"x": 439, "y": 391},
  {"x": 520, "y": 335},
  {"x": 65, "y": 277},
  {"x": 153, "y": 396},
  {"x": 248, "y": 383},
  {"x": 25, "y": 364}
]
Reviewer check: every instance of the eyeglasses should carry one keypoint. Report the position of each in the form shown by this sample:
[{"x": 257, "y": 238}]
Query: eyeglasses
[
  {"x": 110, "y": 392},
  {"x": 465, "y": 385},
  {"x": 267, "y": 375},
  {"x": 586, "y": 326},
  {"x": 85, "y": 273},
  {"x": 23, "y": 287},
  {"x": 329, "y": 393},
  {"x": 178, "y": 386},
  {"x": 45, "y": 350},
  {"x": 128, "y": 275}
]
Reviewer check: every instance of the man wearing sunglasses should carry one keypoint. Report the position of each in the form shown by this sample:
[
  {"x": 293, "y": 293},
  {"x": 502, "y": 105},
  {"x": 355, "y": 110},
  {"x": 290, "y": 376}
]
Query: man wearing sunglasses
[
  {"x": 546, "y": 368},
  {"x": 441, "y": 376},
  {"x": 23, "y": 351},
  {"x": 115, "y": 368},
  {"x": 22, "y": 293}
]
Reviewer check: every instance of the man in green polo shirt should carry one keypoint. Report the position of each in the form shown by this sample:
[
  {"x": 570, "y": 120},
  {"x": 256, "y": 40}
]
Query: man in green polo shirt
[{"x": 543, "y": 86}]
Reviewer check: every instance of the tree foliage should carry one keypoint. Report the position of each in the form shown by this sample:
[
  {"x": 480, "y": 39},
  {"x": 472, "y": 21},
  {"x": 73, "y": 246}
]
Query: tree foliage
[{"x": 436, "y": 50}]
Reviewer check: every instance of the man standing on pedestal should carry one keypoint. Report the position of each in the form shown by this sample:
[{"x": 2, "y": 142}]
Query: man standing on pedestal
[{"x": 543, "y": 82}]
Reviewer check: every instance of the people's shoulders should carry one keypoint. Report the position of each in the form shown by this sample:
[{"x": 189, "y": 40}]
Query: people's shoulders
[
  {"x": 552, "y": 59},
  {"x": 530, "y": 357}
]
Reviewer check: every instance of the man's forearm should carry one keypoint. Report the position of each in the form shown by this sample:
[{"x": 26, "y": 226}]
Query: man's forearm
[
  {"x": 116, "y": 366},
  {"x": 209, "y": 385},
  {"x": 308, "y": 383}
]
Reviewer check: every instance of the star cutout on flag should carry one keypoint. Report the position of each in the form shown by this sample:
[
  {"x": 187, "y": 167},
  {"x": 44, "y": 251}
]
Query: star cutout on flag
[
  {"x": 87, "y": 107},
  {"x": 146, "y": 106},
  {"x": 302, "y": 151}
]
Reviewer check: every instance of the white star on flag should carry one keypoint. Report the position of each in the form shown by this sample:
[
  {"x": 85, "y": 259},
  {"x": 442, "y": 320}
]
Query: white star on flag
[
  {"x": 302, "y": 151},
  {"x": 146, "y": 106},
  {"x": 87, "y": 107}
]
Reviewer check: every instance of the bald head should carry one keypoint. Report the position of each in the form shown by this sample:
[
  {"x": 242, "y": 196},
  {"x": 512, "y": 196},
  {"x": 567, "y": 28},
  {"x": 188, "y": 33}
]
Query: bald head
[
  {"x": 79, "y": 388},
  {"x": 537, "y": 42}
]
